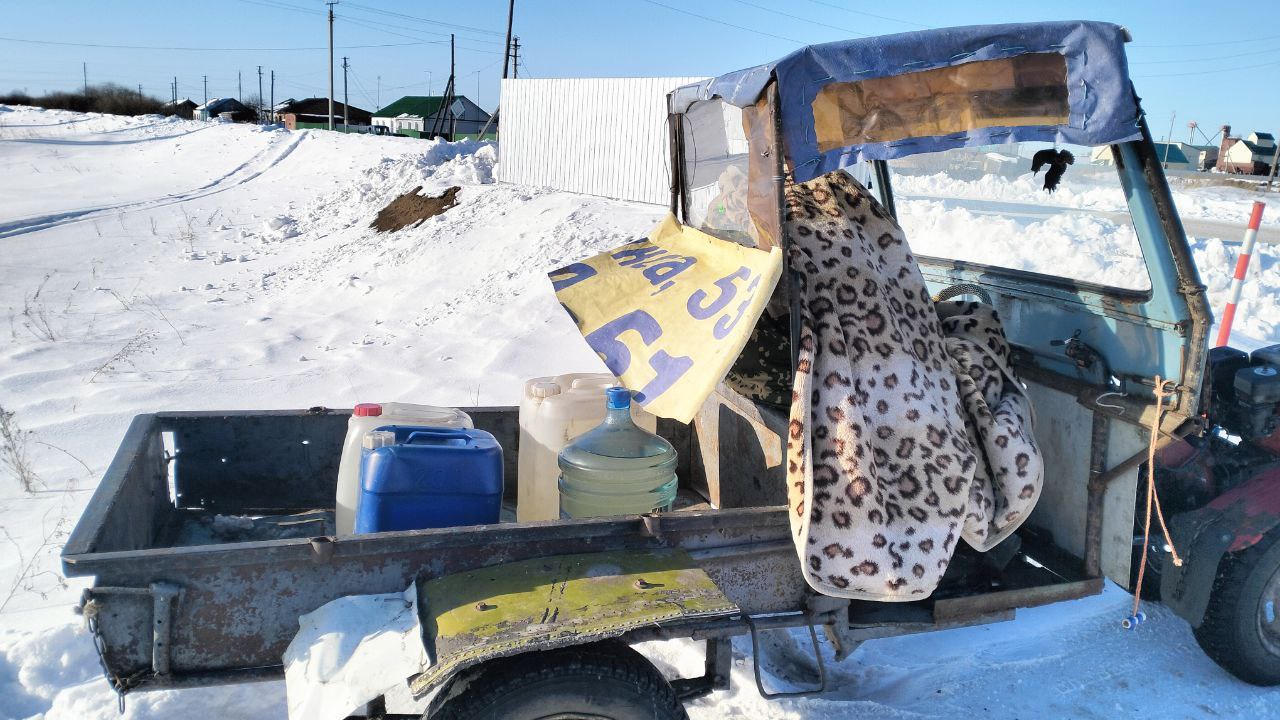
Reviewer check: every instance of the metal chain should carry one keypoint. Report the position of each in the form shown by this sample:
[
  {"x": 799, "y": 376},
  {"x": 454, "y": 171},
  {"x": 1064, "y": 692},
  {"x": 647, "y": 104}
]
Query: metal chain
[{"x": 90, "y": 608}]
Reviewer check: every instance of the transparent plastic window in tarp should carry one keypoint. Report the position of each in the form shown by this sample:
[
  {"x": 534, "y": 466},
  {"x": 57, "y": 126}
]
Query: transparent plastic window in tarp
[
  {"x": 715, "y": 171},
  {"x": 984, "y": 206},
  {"x": 1024, "y": 90},
  {"x": 731, "y": 170}
]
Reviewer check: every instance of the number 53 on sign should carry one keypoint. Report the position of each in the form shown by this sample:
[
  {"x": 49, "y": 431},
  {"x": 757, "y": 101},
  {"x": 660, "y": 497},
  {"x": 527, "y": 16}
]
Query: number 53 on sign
[{"x": 670, "y": 313}]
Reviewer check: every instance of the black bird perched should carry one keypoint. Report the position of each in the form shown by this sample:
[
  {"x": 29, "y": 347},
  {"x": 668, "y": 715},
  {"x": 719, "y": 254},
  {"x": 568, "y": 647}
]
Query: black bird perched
[{"x": 1057, "y": 160}]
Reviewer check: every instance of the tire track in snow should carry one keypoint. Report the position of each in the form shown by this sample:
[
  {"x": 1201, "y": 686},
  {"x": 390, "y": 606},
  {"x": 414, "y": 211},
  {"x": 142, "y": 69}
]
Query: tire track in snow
[{"x": 234, "y": 178}]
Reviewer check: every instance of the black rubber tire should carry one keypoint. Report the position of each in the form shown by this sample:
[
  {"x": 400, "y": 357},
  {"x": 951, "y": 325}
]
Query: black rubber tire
[
  {"x": 1231, "y": 634},
  {"x": 604, "y": 681}
]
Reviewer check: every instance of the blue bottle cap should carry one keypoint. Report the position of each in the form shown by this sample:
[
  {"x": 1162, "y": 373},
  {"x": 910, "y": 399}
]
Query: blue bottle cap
[{"x": 619, "y": 398}]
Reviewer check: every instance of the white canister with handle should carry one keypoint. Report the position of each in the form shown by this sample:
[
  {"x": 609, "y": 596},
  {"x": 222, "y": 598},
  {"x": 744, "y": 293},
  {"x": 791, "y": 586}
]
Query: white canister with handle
[
  {"x": 366, "y": 417},
  {"x": 553, "y": 411}
]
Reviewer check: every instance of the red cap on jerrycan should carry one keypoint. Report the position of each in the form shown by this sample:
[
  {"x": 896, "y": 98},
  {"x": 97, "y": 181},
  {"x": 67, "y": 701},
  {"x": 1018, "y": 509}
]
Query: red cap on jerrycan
[{"x": 367, "y": 410}]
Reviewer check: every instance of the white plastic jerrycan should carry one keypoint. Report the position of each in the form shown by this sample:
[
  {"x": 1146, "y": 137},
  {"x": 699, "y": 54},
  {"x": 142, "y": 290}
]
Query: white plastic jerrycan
[
  {"x": 553, "y": 411},
  {"x": 364, "y": 419}
]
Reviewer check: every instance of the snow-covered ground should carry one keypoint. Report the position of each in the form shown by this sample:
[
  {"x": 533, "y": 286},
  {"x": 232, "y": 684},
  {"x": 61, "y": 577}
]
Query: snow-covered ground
[
  {"x": 1087, "y": 188},
  {"x": 163, "y": 264}
]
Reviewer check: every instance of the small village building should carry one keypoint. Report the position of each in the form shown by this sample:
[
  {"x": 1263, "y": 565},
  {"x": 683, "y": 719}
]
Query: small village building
[
  {"x": 1199, "y": 157},
  {"x": 419, "y": 115},
  {"x": 183, "y": 109},
  {"x": 313, "y": 113},
  {"x": 226, "y": 109},
  {"x": 1250, "y": 155},
  {"x": 1170, "y": 155}
]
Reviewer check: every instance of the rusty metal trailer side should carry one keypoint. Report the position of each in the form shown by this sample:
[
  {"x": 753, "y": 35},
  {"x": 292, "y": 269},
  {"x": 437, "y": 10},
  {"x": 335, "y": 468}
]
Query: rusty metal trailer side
[{"x": 169, "y": 616}]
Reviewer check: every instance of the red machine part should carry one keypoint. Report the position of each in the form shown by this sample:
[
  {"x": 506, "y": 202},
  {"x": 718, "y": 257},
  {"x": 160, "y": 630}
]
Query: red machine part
[
  {"x": 1270, "y": 443},
  {"x": 1256, "y": 506}
]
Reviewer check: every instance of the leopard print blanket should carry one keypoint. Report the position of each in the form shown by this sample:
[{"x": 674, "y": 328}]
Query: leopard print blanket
[
  {"x": 908, "y": 431},
  {"x": 1007, "y": 480}
]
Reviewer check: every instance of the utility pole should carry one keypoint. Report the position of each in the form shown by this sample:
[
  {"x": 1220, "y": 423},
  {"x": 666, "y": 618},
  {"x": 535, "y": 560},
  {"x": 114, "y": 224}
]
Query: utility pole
[
  {"x": 331, "y": 3},
  {"x": 506, "y": 52},
  {"x": 206, "y": 89},
  {"x": 175, "y": 89},
  {"x": 448, "y": 94},
  {"x": 515, "y": 57},
  {"x": 260, "y": 108},
  {"x": 346, "y": 115},
  {"x": 378, "y": 99},
  {"x": 84, "y": 66},
  {"x": 139, "y": 91},
  {"x": 438, "y": 125},
  {"x": 273, "y": 96},
  {"x": 239, "y": 86},
  {"x": 1168, "y": 140}
]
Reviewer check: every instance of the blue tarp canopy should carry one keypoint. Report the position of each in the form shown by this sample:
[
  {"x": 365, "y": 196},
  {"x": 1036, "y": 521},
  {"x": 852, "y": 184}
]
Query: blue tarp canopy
[{"x": 1102, "y": 106}]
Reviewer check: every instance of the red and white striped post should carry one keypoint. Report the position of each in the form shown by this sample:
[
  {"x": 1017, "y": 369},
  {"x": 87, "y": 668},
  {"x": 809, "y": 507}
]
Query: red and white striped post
[{"x": 1242, "y": 267}]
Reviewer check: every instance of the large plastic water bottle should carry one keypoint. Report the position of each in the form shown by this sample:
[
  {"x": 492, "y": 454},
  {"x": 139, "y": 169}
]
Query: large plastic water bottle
[
  {"x": 554, "y": 411},
  {"x": 616, "y": 468}
]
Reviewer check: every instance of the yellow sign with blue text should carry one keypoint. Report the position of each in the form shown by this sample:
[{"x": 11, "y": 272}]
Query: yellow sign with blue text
[{"x": 669, "y": 314}]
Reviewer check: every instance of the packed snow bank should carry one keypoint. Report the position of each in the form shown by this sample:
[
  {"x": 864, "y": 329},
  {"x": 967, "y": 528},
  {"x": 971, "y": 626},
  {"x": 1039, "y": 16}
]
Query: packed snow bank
[
  {"x": 182, "y": 265},
  {"x": 1079, "y": 246},
  {"x": 998, "y": 221},
  {"x": 1083, "y": 188}
]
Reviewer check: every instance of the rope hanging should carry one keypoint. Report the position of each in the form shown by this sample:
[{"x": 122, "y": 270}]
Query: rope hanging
[{"x": 1153, "y": 500}]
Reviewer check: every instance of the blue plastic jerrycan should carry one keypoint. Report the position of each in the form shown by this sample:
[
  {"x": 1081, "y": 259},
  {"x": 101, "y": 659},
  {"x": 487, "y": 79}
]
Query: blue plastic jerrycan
[{"x": 413, "y": 478}]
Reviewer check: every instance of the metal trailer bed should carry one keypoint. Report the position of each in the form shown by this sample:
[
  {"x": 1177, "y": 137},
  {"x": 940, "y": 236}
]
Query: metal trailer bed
[{"x": 166, "y": 615}]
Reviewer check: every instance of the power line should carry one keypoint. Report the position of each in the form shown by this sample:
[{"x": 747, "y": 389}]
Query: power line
[
  {"x": 282, "y": 6},
  {"x": 801, "y": 19},
  {"x": 314, "y": 90},
  {"x": 422, "y": 41},
  {"x": 198, "y": 49},
  {"x": 1210, "y": 72},
  {"x": 365, "y": 22},
  {"x": 402, "y": 16},
  {"x": 867, "y": 14},
  {"x": 480, "y": 70},
  {"x": 1207, "y": 44},
  {"x": 371, "y": 26},
  {"x": 726, "y": 24},
  {"x": 410, "y": 85},
  {"x": 1203, "y": 59},
  {"x": 360, "y": 87}
]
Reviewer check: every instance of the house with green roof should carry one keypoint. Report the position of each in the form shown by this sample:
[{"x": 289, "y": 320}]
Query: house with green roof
[{"x": 418, "y": 115}]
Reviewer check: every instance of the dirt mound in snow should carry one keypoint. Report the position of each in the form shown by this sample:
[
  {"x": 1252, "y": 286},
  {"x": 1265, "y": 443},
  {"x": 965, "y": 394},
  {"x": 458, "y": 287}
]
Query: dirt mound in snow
[{"x": 412, "y": 208}]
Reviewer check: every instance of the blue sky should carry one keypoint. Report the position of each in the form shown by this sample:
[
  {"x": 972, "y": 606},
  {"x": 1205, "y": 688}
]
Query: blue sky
[{"x": 1210, "y": 63}]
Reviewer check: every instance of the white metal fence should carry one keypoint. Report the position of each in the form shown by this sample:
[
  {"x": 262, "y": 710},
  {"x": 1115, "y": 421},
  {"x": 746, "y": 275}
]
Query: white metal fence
[{"x": 597, "y": 136}]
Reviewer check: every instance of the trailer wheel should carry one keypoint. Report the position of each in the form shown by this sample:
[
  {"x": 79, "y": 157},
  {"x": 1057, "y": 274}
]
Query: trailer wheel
[
  {"x": 602, "y": 681},
  {"x": 1241, "y": 627}
]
